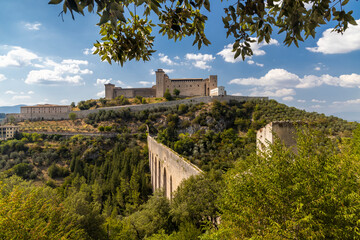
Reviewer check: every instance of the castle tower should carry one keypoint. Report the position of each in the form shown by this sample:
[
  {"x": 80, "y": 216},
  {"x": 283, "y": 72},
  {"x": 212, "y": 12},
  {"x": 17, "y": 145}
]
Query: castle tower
[
  {"x": 210, "y": 84},
  {"x": 160, "y": 83},
  {"x": 109, "y": 91},
  {"x": 213, "y": 81}
]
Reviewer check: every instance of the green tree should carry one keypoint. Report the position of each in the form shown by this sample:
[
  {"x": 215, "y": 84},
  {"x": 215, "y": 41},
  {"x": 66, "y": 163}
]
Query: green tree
[
  {"x": 124, "y": 39},
  {"x": 34, "y": 213},
  {"x": 310, "y": 195},
  {"x": 72, "y": 116},
  {"x": 167, "y": 95},
  {"x": 176, "y": 92}
]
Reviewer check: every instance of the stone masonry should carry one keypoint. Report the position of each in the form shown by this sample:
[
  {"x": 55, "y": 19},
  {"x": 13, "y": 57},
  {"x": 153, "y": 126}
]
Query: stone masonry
[
  {"x": 168, "y": 169},
  {"x": 188, "y": 87},
  {"x": 283, "y": 130}
]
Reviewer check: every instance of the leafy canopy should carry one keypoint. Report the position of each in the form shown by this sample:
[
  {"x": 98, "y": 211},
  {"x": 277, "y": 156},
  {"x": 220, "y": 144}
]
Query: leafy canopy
[{"x": 126, "y": 25}]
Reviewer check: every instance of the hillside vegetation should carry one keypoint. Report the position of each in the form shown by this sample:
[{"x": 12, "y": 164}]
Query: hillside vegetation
[{"x": 99, "y": 188}]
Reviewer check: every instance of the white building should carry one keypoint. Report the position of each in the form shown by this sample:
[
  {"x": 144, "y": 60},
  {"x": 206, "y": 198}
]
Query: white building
[
  {"x": 7, "y": 131},
  {"x": 219, "y": 91}
]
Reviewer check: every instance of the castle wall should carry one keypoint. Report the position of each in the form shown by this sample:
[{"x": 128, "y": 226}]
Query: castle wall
[
  {"x": 133, "y": 92},
  {"x": 168, "y": 169},
  {"x": 188, "y": 87}
]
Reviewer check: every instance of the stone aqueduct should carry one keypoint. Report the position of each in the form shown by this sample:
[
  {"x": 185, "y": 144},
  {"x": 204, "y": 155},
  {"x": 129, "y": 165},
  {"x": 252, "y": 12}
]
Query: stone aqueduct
[{"x": 168, "y": 169}]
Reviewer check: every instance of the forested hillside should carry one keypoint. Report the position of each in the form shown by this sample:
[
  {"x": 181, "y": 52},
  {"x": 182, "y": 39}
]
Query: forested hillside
[{"x": 99, "y": 188}]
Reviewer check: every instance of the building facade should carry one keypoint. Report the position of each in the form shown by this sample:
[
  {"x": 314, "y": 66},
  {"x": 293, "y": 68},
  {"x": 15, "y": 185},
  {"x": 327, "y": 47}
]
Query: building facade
[
  {"x": 189, "y": 87},
  {"x": 8, "y": 131},
  {"x": 42, "y": 111}
]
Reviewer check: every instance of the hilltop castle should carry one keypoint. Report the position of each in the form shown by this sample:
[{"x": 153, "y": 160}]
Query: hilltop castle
[{"x": 188, "y": 87}]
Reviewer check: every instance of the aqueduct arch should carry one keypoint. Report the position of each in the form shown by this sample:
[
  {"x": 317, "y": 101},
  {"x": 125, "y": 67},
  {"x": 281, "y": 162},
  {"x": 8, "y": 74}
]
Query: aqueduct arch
[{"x": 168, "y": 169}]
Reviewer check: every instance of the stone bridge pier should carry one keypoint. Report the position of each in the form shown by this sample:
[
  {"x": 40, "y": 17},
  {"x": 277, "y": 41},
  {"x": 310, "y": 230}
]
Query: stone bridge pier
[{"x": 168, "y": 169}]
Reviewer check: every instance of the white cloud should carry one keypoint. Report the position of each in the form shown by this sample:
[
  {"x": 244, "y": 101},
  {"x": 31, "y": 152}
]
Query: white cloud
[
  {"x": 21, "y": 97},
  {"x": 33, "y": 26},
  {"x": 167, "y": 71},
  {"x": 352, "y": 101},
  {"x": 17, "y": 57},
  {"x": 250, "y": 62},
  {"x": 165, "y": 59},
  {"x": 272, "y": 92},
  {"x": 274, "y": 78},
  {"x": 66, "y": 72},
  {"x": 301, "y": 101},
  {"x": 101, "y": 94},
  {"x": 200, "y": 60},
  {"x": 283, "y": 78},
  {"x": 318, "y": 101},
  {"x": 288, "y": 99},
  {"x": 237, "y": 94},
  {"x": 88, "y": 51},
  {"x": 317, "y": 68},
  {"x": 10, "y": 92},
  {"x": 316, "y": 106},
  {"x": 64, "y": 101},
  {"x": 335, "y": 43},
  {"x": 120, "y": 82},
  {"x": 2, "y": 77},
  {"x": 145, "y": 83},
  {"x": 228, "y": 54},
  {"x": 101, "y": 82},
  {"x": 30, "y": 92}
]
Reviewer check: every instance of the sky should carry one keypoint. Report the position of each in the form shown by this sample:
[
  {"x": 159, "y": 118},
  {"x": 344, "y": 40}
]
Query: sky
[{"x": 47, "y": 59}]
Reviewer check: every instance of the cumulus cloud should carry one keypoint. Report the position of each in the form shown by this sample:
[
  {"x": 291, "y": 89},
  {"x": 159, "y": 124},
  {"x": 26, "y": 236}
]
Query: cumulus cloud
[
  {"x": 167, "y": 71},
  {"x": 101, "y": 94},
  {"x": 18, "y": 57},
  {"x": 101, "y": 82},
  {"x": 2, "y": 77},
  {"x": 145, "y": 83},
  {"x": 69, "y": 71},
  {"x": 348, "y": 102},
  {"x": 10, "y": 92},
  {"x": 283, "y": 78},
  {"x": 288, "y": 99},
  {"x": 88, "y": 51},
  {"x": 30, "y": 92},
  {"x": 200, "y": 60},
  {"x": 282, "y": 92},
  {"x": 318, "y": 101},
  {"x": 301, "y": 101},
  {"x": 165, "y": 59},
  {"x": 64, "y": 101},
  {"x": 228, "y": 54},
  {"x": 33, "y": 26},
  {"x": 274, "y": 78},
  {"x": 334, "y": 43}
]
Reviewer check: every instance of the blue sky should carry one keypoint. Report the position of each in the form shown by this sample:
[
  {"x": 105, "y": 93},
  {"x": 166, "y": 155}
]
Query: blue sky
[{"x": 46, "y": 60}]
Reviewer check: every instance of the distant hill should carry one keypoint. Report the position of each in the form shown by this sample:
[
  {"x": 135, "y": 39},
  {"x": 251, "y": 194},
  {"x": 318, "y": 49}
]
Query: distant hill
[{"x": 11, "y": 109}]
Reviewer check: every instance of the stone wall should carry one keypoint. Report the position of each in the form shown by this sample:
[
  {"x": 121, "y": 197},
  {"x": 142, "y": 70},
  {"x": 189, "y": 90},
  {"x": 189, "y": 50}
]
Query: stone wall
[
  {"x": 133, "y": 92},
  {"x": 168, "y": 169},
  {"x": 135, "y": 108},
  {"x": 283, "y": 130}
]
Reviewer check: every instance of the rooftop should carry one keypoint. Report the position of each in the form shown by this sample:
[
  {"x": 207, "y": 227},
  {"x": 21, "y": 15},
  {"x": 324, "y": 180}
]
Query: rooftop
[{"x": 46, "y": 105}]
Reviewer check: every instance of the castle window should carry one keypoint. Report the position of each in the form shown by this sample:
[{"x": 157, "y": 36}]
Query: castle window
[
  {"x": 198, "y": 85},
  {"x": 190, "y": 85}
]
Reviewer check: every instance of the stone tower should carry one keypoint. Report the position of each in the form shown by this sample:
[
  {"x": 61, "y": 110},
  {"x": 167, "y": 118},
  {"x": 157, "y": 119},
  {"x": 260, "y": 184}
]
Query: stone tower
[
  {"x": 109, "y": 91},
  {"x": 160, "y": 83}
]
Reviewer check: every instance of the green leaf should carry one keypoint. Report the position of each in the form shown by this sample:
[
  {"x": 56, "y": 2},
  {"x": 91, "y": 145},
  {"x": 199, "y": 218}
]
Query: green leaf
[
  {"x": 55, "y": 1},
  {"x": 344, "y": 2}
]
